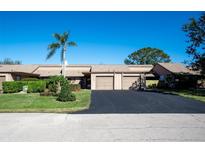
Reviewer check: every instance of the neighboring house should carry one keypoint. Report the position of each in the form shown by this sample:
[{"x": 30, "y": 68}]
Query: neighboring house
[
  {"x": 95, "y": 77},
  {"x": 176, "y": 72},
  {"x": 164, "y": 69}
]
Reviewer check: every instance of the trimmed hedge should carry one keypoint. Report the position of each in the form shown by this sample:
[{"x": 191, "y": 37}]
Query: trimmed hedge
[
  {"x": 12, "y": 86},
  {"x": 17, "y": 86},
  {"x": 30, "y": 79},
  {"x": 36, "y": 86}
]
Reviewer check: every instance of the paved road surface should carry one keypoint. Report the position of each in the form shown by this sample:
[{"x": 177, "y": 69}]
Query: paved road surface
[{"x": 101, "y": 127}]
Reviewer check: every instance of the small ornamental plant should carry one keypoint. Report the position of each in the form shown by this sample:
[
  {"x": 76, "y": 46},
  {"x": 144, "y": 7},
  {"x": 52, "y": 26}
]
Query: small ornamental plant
[{"x": 65, "y": 92}]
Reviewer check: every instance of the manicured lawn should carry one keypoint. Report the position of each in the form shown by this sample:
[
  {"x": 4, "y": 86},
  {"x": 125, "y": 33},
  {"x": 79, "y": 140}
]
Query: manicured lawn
[
  {"x": 36, "y": 103},
  {"x": 193, "y": 94},
  {"x": 190, "y": 94}
]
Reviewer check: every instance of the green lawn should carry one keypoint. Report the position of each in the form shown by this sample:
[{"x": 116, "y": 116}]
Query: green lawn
[
  {"x": 190, "y": 94},
  {"x": 193, "y": 94},
  {"x": 36, "y": 103}
]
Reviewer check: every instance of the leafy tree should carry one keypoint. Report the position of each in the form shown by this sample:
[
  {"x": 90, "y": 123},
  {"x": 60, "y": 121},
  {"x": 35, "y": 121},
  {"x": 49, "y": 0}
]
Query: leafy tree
[
  {"x": 147, "y": 56},
  {"x": 9, "y": 61},
  {"x": 62, "y": 43},
  {"x": 195, "y": 31}
]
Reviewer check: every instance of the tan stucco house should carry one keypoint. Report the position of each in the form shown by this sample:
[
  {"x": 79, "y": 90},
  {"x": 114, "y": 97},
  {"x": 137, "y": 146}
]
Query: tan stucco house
[{"x": 95, "y": 77}]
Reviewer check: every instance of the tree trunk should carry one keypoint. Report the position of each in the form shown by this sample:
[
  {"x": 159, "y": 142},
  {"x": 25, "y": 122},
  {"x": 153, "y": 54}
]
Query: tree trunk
[{"x": 64, "y": 61}]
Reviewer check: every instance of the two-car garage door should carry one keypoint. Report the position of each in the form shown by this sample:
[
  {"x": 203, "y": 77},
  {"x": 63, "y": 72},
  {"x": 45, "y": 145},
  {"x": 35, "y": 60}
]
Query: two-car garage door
[
  {"x": 107, "y": 82},
  {"x": 104, "y": 83}
]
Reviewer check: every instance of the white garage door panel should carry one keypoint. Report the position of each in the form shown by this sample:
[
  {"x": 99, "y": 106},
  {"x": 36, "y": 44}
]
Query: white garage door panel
[
  {"x": 104, "y": 83},
  {"x": 129, "y": 82}
]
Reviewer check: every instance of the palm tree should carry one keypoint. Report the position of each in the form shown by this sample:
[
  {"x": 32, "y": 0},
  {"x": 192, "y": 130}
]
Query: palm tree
[{"x": 62, "y": 43}]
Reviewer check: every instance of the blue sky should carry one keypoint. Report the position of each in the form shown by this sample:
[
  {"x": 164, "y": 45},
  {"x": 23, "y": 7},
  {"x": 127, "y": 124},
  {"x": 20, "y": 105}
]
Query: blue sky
[{"x": 102, "y": 37}]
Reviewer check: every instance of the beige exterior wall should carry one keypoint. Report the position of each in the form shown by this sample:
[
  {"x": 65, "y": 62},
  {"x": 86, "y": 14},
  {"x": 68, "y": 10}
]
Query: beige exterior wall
[
  {"x": 8, "y": 76},
  {"x": 117, "y": 81},
  {"x": 93, "y": 81}
]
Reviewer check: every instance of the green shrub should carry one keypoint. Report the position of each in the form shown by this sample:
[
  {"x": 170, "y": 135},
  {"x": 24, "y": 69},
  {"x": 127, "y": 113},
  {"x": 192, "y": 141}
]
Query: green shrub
[
  {"x": 65, "y": 93},
  {"x": 12, "y": 86},
  {"x": 17, "y": 86},
  {"x": 29, "y": 79},
  {"x": 54, "y": 82},
  {"x": 36, "y": 86},
  {"x": 75, "y": 87}
]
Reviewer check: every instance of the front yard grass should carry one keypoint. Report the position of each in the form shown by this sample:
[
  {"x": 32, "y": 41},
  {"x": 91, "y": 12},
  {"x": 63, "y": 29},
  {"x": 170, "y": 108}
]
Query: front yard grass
[
  {"x": 35, "y": 103},
  {"x": 190, "y": 94},
  {"x": 193, "y": 94}
]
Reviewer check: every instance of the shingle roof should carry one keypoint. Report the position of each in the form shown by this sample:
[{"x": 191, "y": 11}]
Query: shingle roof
[
  {"x": 51, "y": 70},
  {"x": 177, "y": 68},
  {"x": 121, "y": 68},
  {"x": 109, "y": 68},
  {"x": 57, "y": 71},
  {"x": 18, "y": 68}
]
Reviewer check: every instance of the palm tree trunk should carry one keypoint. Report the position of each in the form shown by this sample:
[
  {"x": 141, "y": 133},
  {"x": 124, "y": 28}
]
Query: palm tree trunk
[{"x": 64, "y": 61}]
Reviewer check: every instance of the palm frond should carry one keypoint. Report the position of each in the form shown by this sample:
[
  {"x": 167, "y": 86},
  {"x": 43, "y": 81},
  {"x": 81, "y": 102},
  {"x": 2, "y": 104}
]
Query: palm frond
[
  {"x": 71, "y": 43},
  {"x": 52, "y": 49},
  {"x": 66, "y": 36},
  {"x": 57, "y": 36},
  {"x": 50, "y": 54},
  {"x": 53, "y": 45}
]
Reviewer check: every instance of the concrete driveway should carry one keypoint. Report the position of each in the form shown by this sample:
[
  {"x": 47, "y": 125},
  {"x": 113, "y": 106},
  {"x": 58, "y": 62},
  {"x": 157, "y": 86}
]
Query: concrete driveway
[
  {"x": 101, "y": 127},
  {"x": 141, "y": 102}
]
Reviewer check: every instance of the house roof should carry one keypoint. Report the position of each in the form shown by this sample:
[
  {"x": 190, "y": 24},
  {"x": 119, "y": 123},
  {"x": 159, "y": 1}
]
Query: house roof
[
  {"x": 51, "y": 70},
  {"x": 177, "y": 68},
  {"x": 121, "y": 68},
  {"x": 18, "y": 68},
  {"x": 57, "y": 71},
  {"x": 108, "y": 68}
]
